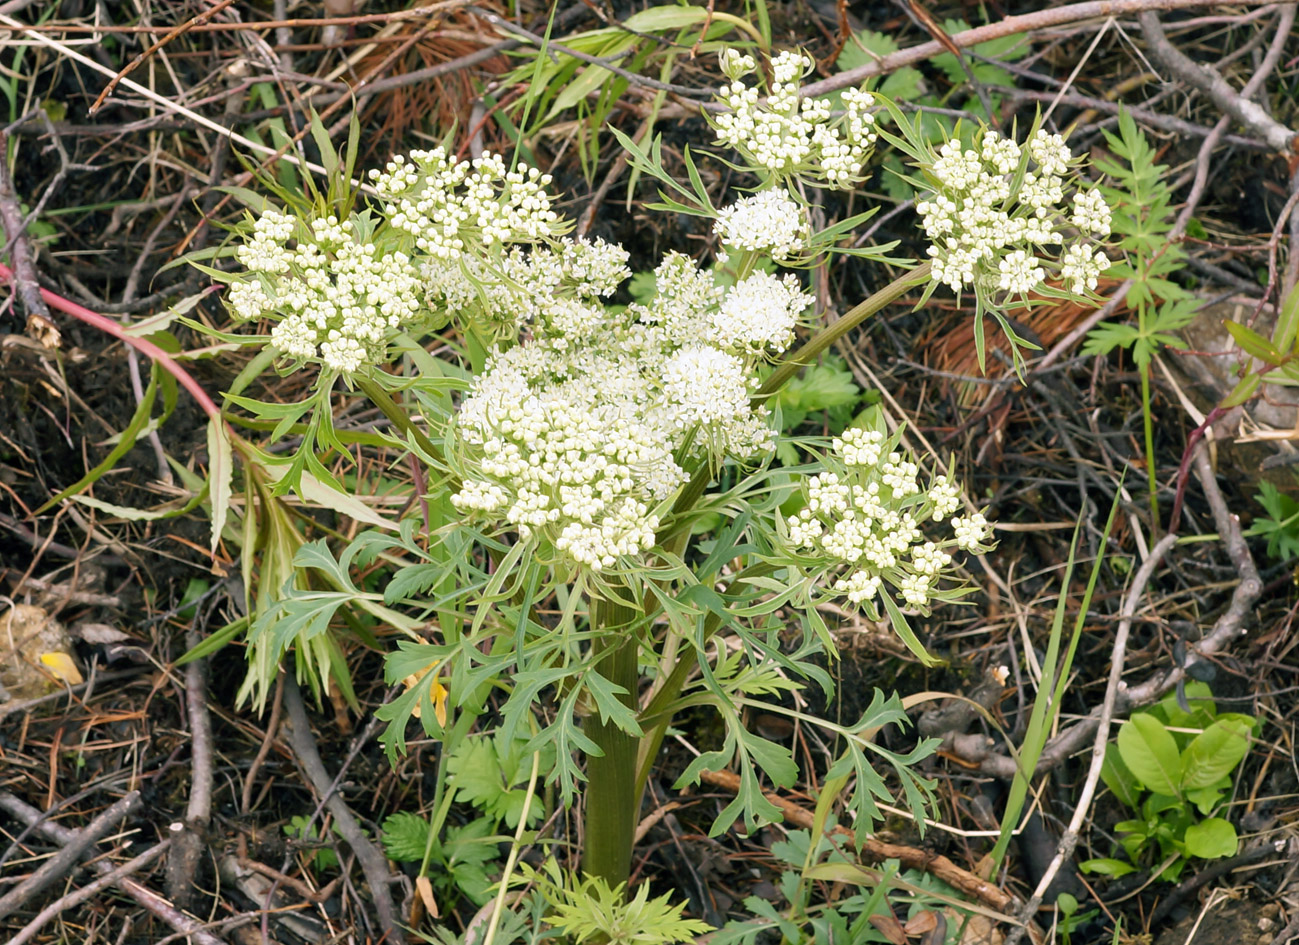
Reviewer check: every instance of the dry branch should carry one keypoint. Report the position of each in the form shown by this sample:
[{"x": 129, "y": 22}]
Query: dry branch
[
  {"x": 147, "y": 898},
  {"x": 877, "y": 850},
  {"x": 373, "y": 863},
  {"x": 63, "y": 861}
]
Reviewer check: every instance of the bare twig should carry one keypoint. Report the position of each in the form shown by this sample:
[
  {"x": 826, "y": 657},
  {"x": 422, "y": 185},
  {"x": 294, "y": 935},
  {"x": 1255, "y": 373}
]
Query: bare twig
[
  {"x": 182, "y": 865},
  {"x": 1011, "y": 25},
  {"x": 64, "y": 903},
  {"x": 1227, "y": 627},
  {"x": 201, "y": 17},
  {"x": 373, "y": 863},
  {"x": 39, "y": 323},
  {"x": 1248, "y": 113},
  {"x": 64, "y": 860},
  {"x": 1069, "y": 841},
  {"x": 877, "y": 850}
]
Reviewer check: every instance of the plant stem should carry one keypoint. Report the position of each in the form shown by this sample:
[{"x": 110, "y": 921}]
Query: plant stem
[
  {"x": 832, "y": 333},
  {"x": 611, "y": 796},
  {"x": 379, "y": 397},
  {"x": 1151, "y": 477}
]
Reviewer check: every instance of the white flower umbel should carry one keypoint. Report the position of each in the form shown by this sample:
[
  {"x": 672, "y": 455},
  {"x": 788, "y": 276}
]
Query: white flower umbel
[
  {"x": 449, "y": 205},
  {"x": 574, "y": 436},
  {"x": 861, "y": 532},
  {"x": 996, "y": 218},
  {"x": 759, "y": 314},
  {"x": 770, "y": 222},
  {"x": 789, "y": 136},
  {"x": 334, "y": 297}
]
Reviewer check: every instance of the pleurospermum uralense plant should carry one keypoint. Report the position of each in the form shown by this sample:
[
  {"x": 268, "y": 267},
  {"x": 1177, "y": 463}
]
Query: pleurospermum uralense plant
[{"x": 597, "y": 518}]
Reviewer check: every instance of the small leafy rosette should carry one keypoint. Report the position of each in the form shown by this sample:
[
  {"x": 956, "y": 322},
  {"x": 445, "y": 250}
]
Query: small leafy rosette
[
  {"x": 331, "y": 287},
  {"x": 1003, "y": 218},
  {"x": 870, "y": 532},
  {"x": 788, "y": 136}
]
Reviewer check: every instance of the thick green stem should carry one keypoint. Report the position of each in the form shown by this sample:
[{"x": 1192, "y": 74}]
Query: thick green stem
[
  {"x": 611, "y": 795},
  {"x": 388, "y": 407},
  {"x": 832, "y": 333}
]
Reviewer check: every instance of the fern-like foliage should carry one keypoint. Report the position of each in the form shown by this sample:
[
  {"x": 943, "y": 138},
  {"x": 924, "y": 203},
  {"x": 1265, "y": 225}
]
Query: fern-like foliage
[{"x": 1143, "y": 217}]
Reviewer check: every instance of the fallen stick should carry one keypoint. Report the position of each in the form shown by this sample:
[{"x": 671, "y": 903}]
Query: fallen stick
[
  {"x": 64, "y": 903},
  {"x": 146, "y": 897},
  {"x": 66, "y": 859},
  {"x": 875, "y": 850}
]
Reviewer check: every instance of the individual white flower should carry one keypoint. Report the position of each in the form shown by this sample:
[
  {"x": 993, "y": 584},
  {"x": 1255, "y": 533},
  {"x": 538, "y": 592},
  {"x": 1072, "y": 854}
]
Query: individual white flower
[
  {"x": 248, "y": 300},
  {"x": 915, "y": 589},
  {"x": 787, "y": 135},
  {"x": 1082, "y": 266},
  {"x": 769, "y": 222},
  {"x": 736, "y": 64},
  {"x": 859, "y": 447},
  {"x": 862, "y": 524},
  {"x": 705, "y": 386},
  {"x": 860, "y": 586},
  {"x": 946, "y": 497},
  {"x": 1000, "y": 243},
  {"x": 804, "y": 530},
  {"x": 595, "y": 267},
  {"x": 1020, "y": 272}
]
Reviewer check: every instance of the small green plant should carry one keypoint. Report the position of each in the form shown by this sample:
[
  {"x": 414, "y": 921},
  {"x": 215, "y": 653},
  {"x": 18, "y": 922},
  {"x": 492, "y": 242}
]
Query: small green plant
[
  {"x": 459, "y": 863},
  {"x": 1070, "y": 917},
  {"x": 318, "y": 856},
  {"x": 1142, "y": 218},
  {"x": 591, "y": 911},
  {"x": 1173, "y": 767},
  {"x": 1281, "y": 524},
  {"x": 595, "y": 499}
]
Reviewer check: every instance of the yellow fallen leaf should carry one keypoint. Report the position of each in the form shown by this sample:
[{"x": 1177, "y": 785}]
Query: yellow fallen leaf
[{"x": 63, "y": 668}]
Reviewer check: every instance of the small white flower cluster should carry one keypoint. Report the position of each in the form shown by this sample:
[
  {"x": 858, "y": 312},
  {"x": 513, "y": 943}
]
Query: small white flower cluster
[
  {"x": 449, "y": 205},
  {"x": 574, "y": 435},
  {"x": 334, "y": 297},
  {"x": 527, "y": 285},
  {"x": 985, "y": 236},
  {"x": 862, "y": 524},
  {"x": 770, "y": 222},
  {"x": 790, "y": 136}
]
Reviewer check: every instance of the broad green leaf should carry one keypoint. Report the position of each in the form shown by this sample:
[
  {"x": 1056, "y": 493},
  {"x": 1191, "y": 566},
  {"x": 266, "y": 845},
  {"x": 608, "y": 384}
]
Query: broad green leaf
[
  {"x": 1253, "y": 344},
  {"x": 1211, "y": 839},
  {"x": 1107, "y": 867},
  {"x": 1151, "y": 754},
  {"x": 1214, "y": 753},
  {"x": 405, "y": 837},
  {"x": 1121, "y": 782}
]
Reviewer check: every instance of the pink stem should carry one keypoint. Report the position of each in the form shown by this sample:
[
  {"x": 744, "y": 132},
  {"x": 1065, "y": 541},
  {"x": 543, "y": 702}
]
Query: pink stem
[{"x": 143, "y": 345}]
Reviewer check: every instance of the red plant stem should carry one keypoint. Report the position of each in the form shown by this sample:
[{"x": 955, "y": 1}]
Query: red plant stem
[{"x": 142, "y": 345}]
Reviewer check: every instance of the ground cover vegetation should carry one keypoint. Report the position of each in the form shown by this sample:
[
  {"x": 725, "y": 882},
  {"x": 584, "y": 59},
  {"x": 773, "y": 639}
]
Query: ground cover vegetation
[{"x": 737, "y": 474}]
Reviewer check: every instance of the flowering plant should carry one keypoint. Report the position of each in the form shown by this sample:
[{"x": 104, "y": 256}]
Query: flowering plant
[{"x": 595, "y": 484}]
